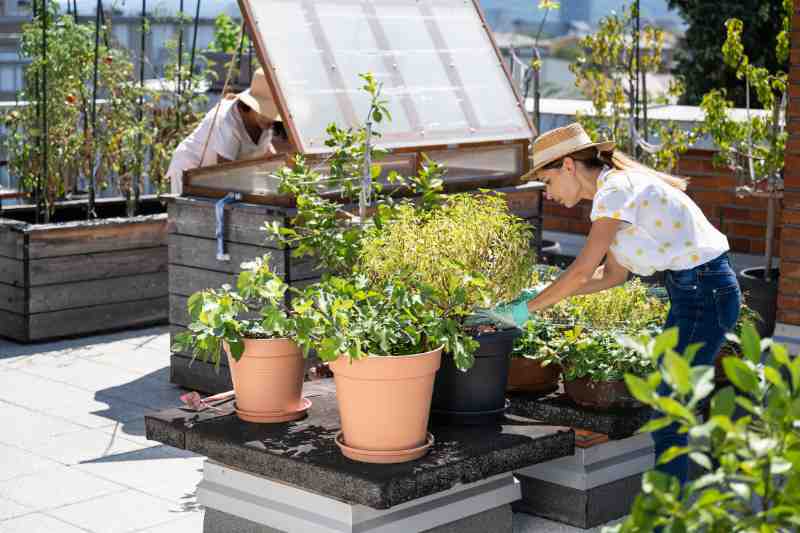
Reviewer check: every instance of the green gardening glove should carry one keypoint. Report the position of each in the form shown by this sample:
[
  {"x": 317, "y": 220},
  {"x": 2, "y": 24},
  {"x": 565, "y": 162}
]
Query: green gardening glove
[{"x": 513, "y": 314}]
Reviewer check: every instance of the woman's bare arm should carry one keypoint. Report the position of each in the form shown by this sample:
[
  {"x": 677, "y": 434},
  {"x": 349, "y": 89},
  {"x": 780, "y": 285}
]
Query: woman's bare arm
[{"x": 582, "y": 271}]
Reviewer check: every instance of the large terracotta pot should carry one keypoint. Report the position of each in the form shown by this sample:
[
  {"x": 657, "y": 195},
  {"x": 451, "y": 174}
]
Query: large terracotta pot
[
  {"x": 528, "y": 375},
  {"x": 600, "y": 395},
  {"x": 268, "y": 381},
  {"x": 384, "y": 405}
]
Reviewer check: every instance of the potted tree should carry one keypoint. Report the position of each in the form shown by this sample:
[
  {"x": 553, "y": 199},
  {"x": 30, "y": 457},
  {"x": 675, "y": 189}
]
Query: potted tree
[
  {"x": 384, "y": 344},
  {"x": 754, "y": 149},
  {"x": 249, "y": 325},
  {"x": 475, "y": 253}
]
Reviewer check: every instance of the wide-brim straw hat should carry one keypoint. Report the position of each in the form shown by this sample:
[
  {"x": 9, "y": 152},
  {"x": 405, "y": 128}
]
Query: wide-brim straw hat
[
  {"x": 559, "y": 143},
  {"x": 259, "y": 97}
]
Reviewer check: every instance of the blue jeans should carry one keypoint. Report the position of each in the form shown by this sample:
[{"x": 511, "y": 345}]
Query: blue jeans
[{"x": 704, "y": 305}]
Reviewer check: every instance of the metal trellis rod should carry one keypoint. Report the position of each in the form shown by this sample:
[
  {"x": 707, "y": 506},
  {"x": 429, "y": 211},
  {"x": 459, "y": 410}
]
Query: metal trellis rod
[
  {"x": 142, "y": 55},
  {"x": 45, "y": 121},
  {"x": 194, "y": 37},
  {"x": 179, "y": 88},
  {"x": 90, "y": 211}
]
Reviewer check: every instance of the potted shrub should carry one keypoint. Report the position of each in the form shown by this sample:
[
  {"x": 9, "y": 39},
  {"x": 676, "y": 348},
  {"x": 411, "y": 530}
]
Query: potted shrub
[
  {"x": 535, "y": 365},
  {"x": 384, "y": 344},
  {"x": 255, "y": 333},
  {"x": 755, "y": 150},
  {"x": 475, "y": 254}
]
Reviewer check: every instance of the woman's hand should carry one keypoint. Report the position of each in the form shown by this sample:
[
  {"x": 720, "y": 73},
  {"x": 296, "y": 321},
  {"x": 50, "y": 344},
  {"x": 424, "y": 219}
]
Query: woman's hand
[{"x": 580, "y": 277}]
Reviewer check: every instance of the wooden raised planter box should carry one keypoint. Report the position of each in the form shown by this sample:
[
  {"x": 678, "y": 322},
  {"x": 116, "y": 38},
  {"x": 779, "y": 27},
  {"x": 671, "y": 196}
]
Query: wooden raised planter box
[
  {"x": 193, "y": 264},
  {"x": 74, "y": 277}
]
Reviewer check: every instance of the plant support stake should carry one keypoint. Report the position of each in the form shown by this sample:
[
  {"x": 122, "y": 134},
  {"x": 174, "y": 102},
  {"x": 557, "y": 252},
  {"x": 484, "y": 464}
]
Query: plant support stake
[
  {"x": 45, "y": 122},
  {"x": 90, "y": 212}
]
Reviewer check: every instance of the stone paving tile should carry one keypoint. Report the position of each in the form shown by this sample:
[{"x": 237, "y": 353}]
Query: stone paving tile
[
  {"x": 133, "y": 430},
  {"x": 191, "y": 523},
  {"x": 15, "y": 462},
  {"x": 160, "y": 471},
  {"x": 122, "y": 512},
  {"x": 24, "y": 428},
  {"x": 38, "y": 523},
  {"x": 55, "y": 488},
  {"x": 9, "y": 509},
  {"x": 143, "y": 361},
  {"x": 65, "y": 401},
  {"x": 82, "y": 446}
]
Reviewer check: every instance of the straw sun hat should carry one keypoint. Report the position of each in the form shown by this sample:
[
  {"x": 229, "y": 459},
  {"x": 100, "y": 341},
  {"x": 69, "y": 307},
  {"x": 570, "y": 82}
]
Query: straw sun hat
[
  {"x": 259, "y": 97},
  {"x": 561, "y": 142}
]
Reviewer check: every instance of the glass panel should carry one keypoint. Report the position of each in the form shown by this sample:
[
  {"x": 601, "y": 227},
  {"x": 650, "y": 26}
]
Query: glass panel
[
  {"x": 259, "y": 176},
  {"x": 476, "y": 163},
  {"x": 441, "y": 74}
]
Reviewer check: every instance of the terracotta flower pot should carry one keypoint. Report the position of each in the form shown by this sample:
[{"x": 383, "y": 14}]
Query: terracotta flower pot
[
  {"x": 384, "y": 405},
  {"x": 268, "y": 381},
  {"x": 528, "y": 375},
  {"x": 600, "y": 395}
]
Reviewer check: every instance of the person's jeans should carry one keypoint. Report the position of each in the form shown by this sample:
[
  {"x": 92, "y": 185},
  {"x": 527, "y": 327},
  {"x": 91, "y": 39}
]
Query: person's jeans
[{"x": 705, "y": 303}]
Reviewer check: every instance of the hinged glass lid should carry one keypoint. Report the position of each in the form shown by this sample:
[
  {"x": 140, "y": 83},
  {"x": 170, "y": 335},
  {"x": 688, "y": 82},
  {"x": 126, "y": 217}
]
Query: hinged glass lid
[{"x": 440, "y": 69}]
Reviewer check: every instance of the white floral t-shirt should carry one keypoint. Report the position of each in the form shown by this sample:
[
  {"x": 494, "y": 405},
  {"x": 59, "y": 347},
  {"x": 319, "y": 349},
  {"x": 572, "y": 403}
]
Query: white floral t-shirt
[{"x": 665, "y": 229}]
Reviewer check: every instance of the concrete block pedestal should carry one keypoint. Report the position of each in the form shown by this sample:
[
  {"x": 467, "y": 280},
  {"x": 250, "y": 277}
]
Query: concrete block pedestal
[
  {"x": 237, "y": 501},
  {"x": 291, "y": 477},
  {"x": 592, "y": 487}
]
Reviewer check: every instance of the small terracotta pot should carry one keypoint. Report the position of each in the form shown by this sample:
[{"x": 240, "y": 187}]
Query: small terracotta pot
[
  {"x": 600, "y": 395},
  {"x": 268, "y": 380},
  {"x": 528, "y": 375},
  {"x": 384, "y": 404},
  {"x": 719, "y": 371}
]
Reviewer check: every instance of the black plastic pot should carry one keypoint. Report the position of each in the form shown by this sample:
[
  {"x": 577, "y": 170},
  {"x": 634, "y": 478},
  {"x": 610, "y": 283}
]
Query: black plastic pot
[
  {"x": 761, "y": 296},
  {"x": 476, "y": 396}
]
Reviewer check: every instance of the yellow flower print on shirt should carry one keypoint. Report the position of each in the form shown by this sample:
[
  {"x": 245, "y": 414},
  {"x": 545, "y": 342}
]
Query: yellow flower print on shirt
[
  {"x": 616, "y": 215},
  {"x": 677, "y": 224},
  {"x": 695, "y": 258},
  {"x": 659, "y": 223},
  {"x": 645, "y": 203}
]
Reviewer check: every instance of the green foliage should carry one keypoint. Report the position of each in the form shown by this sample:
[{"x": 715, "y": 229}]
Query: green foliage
[
  {"x": 605, "y": 71},
  {"x": 356, "y": 318},
  {"x": 226, "y": 35},
  {"x": 599, "y": 355},
  {"x": 701, "y": 63},
  {"x": 253, "y": 310},
  {"x": 323, "y": 228},
  {"x": 762, "y": 134},
  {"x": 132, "y": 120},
  {"x": 470, "y": 249},
  {"x": 751, "y": 462}
]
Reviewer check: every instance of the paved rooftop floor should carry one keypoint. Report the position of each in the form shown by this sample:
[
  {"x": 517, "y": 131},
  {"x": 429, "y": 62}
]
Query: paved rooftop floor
[{"x": 73, "y": 456}]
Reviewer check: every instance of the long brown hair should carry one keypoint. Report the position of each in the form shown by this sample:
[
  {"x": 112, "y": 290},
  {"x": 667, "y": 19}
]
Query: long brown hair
[{"x": 619, "y": 160}]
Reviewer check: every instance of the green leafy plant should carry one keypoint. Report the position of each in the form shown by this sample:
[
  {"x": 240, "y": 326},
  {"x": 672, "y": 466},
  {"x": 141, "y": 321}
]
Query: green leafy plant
[
  {"x": 325, "y": 227},
  {"x": 226, "y": 35},
  {"x": 750, "y": 459},
  {"x": 253, "y": 310},
  {"x": 468, "y": 237},
  {"x": 606, "y": 71},
  {"x": 599, "y": 355},
  {"x": 356, "y": 318},
  {"x": 540, "y": 341},
  {"x": 754, "y": 148}
]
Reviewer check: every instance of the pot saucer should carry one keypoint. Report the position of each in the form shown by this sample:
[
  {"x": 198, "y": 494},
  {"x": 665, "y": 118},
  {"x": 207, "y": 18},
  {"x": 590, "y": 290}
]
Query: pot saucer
[
  {"x": 383, "y": 456},
  {"x": 274, "y": 417},
  {"x": 469, "y": 418}
]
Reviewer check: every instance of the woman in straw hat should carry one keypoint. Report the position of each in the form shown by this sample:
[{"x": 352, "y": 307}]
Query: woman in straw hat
[
  {"x": 642, "y": 222},
  {"x": 243, "y": 126}
]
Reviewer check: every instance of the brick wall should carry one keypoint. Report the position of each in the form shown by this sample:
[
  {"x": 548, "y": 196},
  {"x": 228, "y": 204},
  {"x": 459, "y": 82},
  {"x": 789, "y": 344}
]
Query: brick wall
[
  {"x": 789, "y": 289},
  {"x": 743, "y": 220}
]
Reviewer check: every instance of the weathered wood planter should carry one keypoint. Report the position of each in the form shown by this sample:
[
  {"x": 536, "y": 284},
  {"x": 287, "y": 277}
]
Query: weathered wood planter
[
  {"x": 74, "y": 277},
  {"x": 193, "y": 264}
]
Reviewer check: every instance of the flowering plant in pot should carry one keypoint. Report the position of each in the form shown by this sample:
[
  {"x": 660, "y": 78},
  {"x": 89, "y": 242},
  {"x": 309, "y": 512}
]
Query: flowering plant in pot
[
  {"x": 250, "y": 325},
  {"x": 474, "y": 254},
  {"x": 384, "y": 344}
]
